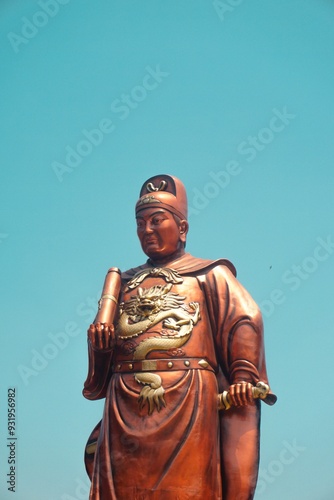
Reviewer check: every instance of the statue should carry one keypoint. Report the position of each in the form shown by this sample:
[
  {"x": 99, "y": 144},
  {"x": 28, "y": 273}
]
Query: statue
[{"x": 177, "y": 351}]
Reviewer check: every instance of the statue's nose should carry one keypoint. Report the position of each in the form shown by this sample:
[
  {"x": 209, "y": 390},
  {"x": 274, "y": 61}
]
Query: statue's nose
[{"x": 148, "y": 227}]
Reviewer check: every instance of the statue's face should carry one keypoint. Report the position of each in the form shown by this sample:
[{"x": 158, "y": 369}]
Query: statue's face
[{"x": 158, "y": 232}]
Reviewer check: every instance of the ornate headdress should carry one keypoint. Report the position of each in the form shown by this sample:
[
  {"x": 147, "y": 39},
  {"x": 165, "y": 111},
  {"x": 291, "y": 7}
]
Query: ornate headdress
[{"x": 164, "y": 191}]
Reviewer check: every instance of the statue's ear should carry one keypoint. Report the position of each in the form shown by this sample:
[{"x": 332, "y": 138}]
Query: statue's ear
[
  {"x": 184, "y": 226},
  {"x": 140, "y": 292}
]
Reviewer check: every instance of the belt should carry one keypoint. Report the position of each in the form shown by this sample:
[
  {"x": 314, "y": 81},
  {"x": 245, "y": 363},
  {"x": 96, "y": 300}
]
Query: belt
[{"x": 161, "y": 365}]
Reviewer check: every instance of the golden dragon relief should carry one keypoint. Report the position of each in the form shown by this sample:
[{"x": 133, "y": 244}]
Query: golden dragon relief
[{"x": 145, "y": 310}]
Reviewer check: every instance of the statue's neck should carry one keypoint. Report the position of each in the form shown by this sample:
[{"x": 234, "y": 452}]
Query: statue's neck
[{"x": 166, "y": 260}]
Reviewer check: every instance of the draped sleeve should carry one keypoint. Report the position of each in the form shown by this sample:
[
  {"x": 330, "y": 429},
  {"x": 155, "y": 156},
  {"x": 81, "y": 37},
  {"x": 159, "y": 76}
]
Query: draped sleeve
[{"x": 99, "y": 373}]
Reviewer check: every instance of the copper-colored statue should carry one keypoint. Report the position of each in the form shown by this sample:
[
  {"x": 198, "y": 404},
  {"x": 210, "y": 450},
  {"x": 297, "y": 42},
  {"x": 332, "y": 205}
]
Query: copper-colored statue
[{"x": 177, "y": 351}]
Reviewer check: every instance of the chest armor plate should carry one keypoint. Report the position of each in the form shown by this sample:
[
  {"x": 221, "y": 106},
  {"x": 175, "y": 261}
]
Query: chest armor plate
[{"x": 163, "y": 315}]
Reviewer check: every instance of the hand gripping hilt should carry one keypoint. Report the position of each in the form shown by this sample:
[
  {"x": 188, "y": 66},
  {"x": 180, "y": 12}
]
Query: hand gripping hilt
[{"x": 260, "y": 391}]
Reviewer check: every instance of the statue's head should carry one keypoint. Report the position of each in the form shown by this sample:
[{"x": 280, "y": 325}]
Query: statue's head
[{"x": 161, "y": 214}]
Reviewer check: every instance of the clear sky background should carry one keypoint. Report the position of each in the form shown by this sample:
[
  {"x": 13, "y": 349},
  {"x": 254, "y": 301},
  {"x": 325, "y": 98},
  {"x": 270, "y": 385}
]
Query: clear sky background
[{"x": 235, "y": 99}]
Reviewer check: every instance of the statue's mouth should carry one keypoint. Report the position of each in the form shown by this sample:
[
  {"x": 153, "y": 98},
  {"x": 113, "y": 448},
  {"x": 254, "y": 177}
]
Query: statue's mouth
[{"x": 150, "y": 241}]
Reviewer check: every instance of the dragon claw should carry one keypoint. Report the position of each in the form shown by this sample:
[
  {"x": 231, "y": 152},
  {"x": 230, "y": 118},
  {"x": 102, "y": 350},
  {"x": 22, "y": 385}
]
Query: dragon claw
[{"x": 152, "y": 393}]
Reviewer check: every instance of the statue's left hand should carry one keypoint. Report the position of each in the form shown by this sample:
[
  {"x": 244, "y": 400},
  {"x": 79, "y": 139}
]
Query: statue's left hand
[
  {"x": 241, "y": 394},
  {"x": 101, "y": 336}
]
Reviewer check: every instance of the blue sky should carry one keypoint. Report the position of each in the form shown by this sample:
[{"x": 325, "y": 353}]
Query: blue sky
[{"x": 235, "y": 98}]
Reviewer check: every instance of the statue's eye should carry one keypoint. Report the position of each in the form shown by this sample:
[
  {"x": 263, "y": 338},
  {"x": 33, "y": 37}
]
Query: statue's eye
[{"x": 157, "y": 220}]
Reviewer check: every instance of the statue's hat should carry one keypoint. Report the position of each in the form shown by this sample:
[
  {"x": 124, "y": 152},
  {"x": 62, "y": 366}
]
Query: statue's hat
[{"x": 164, "y": 191}]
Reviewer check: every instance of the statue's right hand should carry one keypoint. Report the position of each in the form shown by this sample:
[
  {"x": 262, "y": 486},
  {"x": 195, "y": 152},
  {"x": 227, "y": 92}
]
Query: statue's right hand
[{"x": 101, "y": 336}]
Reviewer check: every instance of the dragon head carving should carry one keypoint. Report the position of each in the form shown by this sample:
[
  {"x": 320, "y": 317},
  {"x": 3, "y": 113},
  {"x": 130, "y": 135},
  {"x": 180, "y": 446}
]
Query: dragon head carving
[{"x": 150, "y": 301}]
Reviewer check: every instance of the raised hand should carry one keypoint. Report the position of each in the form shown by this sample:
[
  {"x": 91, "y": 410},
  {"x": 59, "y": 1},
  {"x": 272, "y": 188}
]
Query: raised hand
[{"x": 101, "y": 336}]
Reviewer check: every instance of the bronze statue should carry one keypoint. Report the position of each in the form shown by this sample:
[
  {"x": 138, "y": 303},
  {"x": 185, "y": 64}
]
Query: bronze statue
[{"x": 177, "y": 351}]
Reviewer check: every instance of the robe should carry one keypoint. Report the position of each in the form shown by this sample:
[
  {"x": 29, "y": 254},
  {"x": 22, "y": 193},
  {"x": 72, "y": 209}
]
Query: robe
[{"x": 185, "y": 332}]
